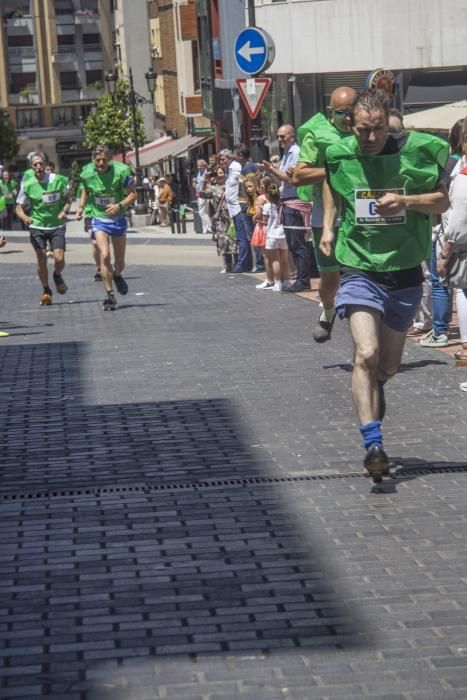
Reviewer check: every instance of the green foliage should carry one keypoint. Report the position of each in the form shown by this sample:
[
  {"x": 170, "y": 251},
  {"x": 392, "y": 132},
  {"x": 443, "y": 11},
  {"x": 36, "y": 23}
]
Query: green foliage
[
  {"x": 74, "y": 177},
  {"x": 9, "y": 146},
  {"x": 112, "y": 124}
]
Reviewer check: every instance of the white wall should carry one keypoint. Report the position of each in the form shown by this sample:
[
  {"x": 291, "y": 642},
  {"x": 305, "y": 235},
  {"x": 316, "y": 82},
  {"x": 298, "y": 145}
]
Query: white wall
[{"x": 325, "y": 36}]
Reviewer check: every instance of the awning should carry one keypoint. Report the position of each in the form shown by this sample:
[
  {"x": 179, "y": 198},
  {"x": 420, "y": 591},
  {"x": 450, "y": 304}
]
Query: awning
[
  {"x": 148, "y": 147},
  {"x": 154, "y": 152},
  {"x": 438, "y": 118}
]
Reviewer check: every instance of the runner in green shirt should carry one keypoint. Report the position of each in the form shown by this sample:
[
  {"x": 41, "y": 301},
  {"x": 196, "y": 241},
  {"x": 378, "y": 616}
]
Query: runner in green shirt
[
  {"x": 386, "y": 187},
  {"x": 314, "y": 137},
  {"x": 9, "y": 190},
  {"x": 108, "y": 188},
  {"x": 47, "y": 200}
]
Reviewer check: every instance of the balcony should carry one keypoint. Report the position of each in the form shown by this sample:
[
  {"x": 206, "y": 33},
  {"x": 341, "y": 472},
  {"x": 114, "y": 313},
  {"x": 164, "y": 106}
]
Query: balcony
[
  {"x": 24, "y": 98},
  {"x": 15, "y": 52},
  {"x": 65, "y": 55},
  {"x": 71, "y": 95},
  {"x": 87, "y": 18},
  {"x": 91, "y": 93},
  {"x": 26, "y": 23}
]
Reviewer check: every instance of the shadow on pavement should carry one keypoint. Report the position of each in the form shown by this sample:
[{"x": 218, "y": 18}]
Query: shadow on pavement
[{"x": 127, "y": 532}]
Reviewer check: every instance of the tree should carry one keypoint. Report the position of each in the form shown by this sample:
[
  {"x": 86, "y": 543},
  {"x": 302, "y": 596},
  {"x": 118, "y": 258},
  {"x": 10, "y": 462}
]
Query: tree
[
  {"x": 112, "y": 123},
  {"x": 9, "y": 146}
]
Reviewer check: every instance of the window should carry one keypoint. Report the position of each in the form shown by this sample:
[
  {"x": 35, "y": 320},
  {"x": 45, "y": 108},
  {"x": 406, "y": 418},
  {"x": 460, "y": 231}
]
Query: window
[
  {"x": 22, "y": 80},
  {"x": 20, "y": 40},
  {"x": 69, "y": 80},
  {"x": 93, "y": 77},
  {"x": 28, "y": 118}
]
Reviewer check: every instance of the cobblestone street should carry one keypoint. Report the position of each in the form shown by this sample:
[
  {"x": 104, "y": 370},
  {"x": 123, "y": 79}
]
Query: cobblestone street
[{"x": 182, "y": 510}]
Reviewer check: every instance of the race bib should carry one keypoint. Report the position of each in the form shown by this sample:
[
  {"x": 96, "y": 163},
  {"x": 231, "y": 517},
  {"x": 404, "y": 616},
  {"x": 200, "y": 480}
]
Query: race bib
[
  {"x": 50, "y": 197},
  {"x": 104, "y": 201},
  {"x": 365, "y": 208}
]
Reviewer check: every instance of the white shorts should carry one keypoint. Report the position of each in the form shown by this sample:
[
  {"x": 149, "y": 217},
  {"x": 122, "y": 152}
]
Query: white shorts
[{"x": 276, "y": 244}]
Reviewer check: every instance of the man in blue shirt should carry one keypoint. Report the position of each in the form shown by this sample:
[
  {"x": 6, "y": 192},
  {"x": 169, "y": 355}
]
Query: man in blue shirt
[{"x": 295, "y": 214}]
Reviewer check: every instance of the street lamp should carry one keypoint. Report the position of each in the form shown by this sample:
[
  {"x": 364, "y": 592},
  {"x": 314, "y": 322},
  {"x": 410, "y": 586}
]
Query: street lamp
[{"x": 135, "y": 99}]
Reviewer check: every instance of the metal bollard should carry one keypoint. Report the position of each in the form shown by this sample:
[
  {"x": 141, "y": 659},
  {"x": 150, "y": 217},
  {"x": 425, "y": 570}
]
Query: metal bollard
[{"x": 171, "y": 218}]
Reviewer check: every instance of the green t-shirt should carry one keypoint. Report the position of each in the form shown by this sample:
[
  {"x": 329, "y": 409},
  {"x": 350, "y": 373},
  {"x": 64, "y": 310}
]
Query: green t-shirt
[
  {"x": 106, "y": 188},
  {"x": 7, "y": 189},
  {"x": 87, "y": 206},
  {"x": 46, "y": 200},
  {"x": 402, "y": 240},
  {"x": 315, "y": 136}
]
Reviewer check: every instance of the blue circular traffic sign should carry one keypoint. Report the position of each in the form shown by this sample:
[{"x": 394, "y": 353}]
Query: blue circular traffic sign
[{"x": 254, "y": 50}]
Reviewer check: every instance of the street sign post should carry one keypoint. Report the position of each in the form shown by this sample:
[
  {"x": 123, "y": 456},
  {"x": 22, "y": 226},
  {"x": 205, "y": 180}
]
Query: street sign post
[
  {"x": 252, "y": 92},
  {"x": 254, "y": 50}
]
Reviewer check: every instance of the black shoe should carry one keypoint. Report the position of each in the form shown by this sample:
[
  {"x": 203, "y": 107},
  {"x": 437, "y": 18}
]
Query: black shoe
[
  {"x": 59, "y": 283},
  {"x": 98, "y": 276},
  {"x": 297, "y": 287},
  {"x": 110, "y": 303},
  {"x": 120, "y": 283},
  {"x": 376, "y": 463},
  {"x": 322, "y": 330}
]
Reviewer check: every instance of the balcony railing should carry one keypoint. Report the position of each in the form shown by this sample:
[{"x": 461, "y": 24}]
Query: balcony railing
[
  {"x": 62, "y": 56},
  {"x": 19, "y": 22},
  {"x": 87, "y": 19},
  {"x": 21, "y": 52},
  {"x": 16, "y": 98},
  {"x": 70, "y": 94}
]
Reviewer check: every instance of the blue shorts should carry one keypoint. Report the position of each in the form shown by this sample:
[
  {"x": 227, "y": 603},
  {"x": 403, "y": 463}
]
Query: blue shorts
[
  {"x": 111, "y": 228},
  {"x": 397, "y": 306}
]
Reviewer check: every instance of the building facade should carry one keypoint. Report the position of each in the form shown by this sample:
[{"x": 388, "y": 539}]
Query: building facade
[
  {"x": 53, "y": 57},
  {"x": 320, "y": 45},
  {"x": 174, "y": 47}
]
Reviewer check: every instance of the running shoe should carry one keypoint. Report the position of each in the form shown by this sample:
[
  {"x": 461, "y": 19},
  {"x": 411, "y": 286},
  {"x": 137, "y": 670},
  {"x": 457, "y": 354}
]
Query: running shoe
[
  {"x": 463, "y": 386},
  {"x": 4, "y": 334},
  {"x": 277, "y": 287},
  {"x": 265, "y": 285},
  {"x": 98, "y": 276},
  {"x": 322, "y": 330},
  {"x": 120, "y": 283},
  {"x": 60, "y": 285},
  {"x": 110, "y": 303},
  {"x": 376, "y": 463},
  {"x": 46, "y": 298},
  {"x": 434, "y": 341}
]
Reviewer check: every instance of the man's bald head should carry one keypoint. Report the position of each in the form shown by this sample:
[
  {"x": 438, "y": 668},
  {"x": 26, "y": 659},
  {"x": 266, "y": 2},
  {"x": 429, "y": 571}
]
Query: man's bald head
[
  {"x": 343, "y": 97},
  {"x": 341, "y": 103}
]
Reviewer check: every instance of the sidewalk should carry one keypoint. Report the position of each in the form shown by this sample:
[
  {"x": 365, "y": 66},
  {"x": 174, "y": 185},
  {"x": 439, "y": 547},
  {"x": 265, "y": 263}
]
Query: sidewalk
[{"x": 182, "y": 510}]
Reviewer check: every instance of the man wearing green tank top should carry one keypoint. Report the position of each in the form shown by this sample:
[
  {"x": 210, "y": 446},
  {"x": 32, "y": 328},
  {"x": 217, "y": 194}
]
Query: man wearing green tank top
[
  {"x": 107, "y": 189},
  {"x": 386, "y": 186},
  {"x": 43, "y": 204}
]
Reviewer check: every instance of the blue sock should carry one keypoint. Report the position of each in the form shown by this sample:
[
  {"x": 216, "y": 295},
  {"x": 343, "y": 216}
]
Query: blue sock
[{"x": 371, "y": 433}]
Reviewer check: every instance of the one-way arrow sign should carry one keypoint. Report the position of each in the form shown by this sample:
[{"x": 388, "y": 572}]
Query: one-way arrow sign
[
  {"x": 253, "y": 91},
  {"x": 254, "y": 50}
]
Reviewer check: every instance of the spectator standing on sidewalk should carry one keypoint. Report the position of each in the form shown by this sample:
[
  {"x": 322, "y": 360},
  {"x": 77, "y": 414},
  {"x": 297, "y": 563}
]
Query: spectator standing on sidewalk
[
  {"x": 386, "y": 187},
  {"x": 164, "y": 200},
  {"x": 315, "y": 136},
  {"x": 441, "y": 296},
  {"x": 295, "y": 213},
  {"x": 232, "y": 191},
  {"x": 203, "y": 204}
]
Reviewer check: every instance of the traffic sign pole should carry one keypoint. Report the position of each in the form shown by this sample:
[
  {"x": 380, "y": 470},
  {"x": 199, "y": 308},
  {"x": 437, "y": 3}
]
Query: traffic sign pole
[{"x": 254, "y": 52}]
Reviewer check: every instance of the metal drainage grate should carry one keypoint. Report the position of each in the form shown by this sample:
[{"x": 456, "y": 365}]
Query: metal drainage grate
[{"x": 404, "y": 472}]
